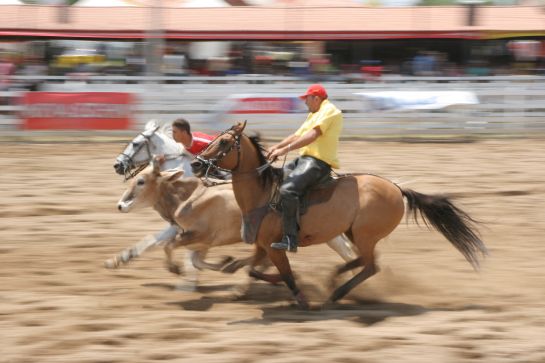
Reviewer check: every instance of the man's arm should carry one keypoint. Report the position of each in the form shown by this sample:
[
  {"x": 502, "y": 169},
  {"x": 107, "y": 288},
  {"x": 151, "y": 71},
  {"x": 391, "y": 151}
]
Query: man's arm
[
  {"x": 288, "y": 140},
  {"x": 296, "y": 143}
]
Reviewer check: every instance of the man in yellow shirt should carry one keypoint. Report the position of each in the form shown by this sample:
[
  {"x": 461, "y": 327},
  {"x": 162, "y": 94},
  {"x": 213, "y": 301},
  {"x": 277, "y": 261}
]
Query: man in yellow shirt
[{"x": 317, "y": 139}]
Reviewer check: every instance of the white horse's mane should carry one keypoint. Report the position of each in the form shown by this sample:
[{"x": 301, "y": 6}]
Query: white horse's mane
[{"x": 165, "y": 128}]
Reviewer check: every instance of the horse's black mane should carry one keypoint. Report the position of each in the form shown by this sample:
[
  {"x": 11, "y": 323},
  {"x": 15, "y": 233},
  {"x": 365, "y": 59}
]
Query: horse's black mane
[{"x": 269, "y": 174}]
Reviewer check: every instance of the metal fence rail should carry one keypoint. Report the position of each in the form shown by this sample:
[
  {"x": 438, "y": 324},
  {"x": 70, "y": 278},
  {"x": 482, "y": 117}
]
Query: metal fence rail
[{"x": 507, "y": 105}]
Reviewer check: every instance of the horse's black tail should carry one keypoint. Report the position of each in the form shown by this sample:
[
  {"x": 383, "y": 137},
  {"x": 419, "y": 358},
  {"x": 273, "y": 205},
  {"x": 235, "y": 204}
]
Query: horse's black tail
[{"x": 455, "y": 224}]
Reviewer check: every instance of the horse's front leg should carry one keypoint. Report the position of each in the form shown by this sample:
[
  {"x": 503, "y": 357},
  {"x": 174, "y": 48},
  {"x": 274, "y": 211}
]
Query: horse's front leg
[
  {"x": 164, "y": 236},
  {"x": 280, "y": 260}
]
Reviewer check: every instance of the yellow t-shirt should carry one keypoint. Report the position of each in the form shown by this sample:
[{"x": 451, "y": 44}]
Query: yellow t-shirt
[{"x": 330, "y": 120}]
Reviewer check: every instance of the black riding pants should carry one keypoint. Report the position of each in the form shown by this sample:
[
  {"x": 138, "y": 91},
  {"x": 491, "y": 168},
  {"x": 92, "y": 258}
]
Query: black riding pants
[{"x": 303, "y": 173}]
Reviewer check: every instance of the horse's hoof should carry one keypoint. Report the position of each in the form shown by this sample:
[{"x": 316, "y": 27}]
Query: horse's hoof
[
  {"x": 302, "y": 302},
  {"x": 111, "y": 263}
]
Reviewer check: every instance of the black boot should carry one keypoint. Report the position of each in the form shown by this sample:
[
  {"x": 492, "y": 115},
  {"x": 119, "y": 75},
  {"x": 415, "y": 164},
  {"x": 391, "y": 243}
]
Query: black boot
[{"x": 289, "y": 241}]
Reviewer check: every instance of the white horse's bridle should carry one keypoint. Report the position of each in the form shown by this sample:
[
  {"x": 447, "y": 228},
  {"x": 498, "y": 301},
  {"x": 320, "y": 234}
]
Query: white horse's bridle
[{"x": 132, "y": 168}]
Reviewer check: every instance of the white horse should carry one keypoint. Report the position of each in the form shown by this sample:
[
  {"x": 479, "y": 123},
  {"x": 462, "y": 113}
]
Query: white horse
[{"x": 156, "y": 140}]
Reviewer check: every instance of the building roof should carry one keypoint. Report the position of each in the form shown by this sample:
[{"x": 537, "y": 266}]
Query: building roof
[{"x": 347, "y": 22}]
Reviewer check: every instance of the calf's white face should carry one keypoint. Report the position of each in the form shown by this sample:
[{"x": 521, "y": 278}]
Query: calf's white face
[
  {"x": 145, "y": 189},
  {"x": 142, "y": 192}
]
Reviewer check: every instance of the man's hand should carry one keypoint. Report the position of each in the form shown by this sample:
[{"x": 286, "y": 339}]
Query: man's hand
[
  {"x": 271, "y": 150},
  {"x": 275, "y": 153}
]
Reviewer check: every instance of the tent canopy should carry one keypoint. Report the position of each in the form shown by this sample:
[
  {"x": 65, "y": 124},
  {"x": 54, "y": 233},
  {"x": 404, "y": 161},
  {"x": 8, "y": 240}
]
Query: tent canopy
[{"x": 103, "y": 3}]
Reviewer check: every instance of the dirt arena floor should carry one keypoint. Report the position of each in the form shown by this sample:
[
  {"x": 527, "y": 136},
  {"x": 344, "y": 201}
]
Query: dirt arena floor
[{"x": 59, "y": 222}]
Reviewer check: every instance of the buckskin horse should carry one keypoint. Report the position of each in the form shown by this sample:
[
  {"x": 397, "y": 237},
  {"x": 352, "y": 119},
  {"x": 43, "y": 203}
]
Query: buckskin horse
[{"x": 365, "y": 207}]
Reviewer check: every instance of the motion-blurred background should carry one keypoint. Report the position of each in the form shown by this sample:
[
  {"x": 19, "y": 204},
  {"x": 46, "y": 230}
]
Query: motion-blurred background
[{"x": 395, "y": 67}]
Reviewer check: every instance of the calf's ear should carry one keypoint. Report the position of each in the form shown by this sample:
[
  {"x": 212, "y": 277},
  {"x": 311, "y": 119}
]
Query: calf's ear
[
  {"x": 156, "y": 165},
  {"x": 173, "y": 176}
]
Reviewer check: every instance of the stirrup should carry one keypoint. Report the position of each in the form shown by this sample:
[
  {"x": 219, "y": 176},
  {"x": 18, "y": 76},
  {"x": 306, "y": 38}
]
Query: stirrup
[{"x": 286, "y": 244}]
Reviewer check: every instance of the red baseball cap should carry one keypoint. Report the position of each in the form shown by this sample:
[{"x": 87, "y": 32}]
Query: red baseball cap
[{"x": 315, "y": 90}]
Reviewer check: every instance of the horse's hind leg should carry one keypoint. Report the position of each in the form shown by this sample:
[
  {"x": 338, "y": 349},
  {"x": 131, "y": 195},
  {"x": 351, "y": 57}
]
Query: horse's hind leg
[
  {"x": 344, "y": 248},
  {"x": 357, "y": 262},
  {"x": 368, "y": 259}
]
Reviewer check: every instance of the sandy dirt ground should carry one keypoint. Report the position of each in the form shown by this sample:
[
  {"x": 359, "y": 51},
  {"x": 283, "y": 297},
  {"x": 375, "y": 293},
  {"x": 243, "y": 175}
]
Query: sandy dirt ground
[{"x": 59, "y": 222}]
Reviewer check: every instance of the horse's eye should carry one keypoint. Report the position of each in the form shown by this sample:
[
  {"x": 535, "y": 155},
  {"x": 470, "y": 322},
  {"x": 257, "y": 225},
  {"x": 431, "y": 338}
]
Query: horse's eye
[
  {"x": 223, "y": 142},
  {"x": 140, "y": 182},
  {"x": 135, "y": 144}
]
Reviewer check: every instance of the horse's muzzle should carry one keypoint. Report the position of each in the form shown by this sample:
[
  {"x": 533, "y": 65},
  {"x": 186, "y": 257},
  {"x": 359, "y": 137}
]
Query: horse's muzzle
[
  {"x": 119, "y": 168},
  {"x": 197, "y": 166},
  {"x": 121, "y": 165}
]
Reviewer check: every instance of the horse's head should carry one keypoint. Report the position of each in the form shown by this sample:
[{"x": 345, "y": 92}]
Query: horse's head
[
  {"x": 144, "y": 190},
  {"x": 222, "y": 153},
  {"x": 140, "y": 151}
]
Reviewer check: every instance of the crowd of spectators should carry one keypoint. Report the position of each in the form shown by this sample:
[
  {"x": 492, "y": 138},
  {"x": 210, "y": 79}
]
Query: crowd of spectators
[{"x": 254, "y": 58}]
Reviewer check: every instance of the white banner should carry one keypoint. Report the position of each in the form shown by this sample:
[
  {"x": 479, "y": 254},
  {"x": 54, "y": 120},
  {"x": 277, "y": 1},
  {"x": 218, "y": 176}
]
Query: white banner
[
  {"x": 416, "y": 100},
  {"x": 255, "y": 103}
]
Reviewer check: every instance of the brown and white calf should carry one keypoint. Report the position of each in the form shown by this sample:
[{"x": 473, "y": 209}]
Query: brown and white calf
[{"x": 202, "y": 217}]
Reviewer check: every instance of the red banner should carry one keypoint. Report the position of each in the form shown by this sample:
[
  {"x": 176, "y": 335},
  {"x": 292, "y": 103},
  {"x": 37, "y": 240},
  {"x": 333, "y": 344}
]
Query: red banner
[{"x": 77, "y": 111}]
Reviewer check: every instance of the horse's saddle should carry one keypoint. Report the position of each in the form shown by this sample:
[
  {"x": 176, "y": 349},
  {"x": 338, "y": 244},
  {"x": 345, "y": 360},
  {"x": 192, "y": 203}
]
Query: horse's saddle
[{"x": 320, "y": 192}]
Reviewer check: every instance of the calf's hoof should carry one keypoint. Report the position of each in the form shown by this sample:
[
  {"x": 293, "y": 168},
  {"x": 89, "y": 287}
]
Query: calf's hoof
[
  {"x": 111, "y": 263},
  {"x": 187, "y": 286},
  {"x": 175, "y": 269}
]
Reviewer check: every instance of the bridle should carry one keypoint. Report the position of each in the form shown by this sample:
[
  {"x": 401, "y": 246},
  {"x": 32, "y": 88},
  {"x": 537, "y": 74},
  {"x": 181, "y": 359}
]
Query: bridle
[
  {"x": 133, "y": 168},
  {"x": 212, "y": 163}
]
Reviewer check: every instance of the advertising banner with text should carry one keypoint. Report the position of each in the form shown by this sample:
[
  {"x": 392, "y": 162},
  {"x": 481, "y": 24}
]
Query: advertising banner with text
[{"x": 77, "y": 111}]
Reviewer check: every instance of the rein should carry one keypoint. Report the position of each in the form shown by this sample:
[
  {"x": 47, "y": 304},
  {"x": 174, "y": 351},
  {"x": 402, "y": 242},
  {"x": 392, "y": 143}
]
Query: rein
[{"x": 212, "y": 164}]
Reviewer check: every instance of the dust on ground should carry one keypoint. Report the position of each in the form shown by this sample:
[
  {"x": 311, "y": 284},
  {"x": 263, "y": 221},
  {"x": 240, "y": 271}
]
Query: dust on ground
[{"x": 59, "y": 222}]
